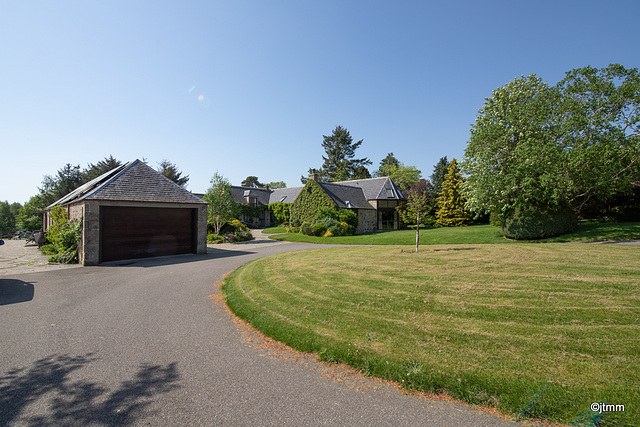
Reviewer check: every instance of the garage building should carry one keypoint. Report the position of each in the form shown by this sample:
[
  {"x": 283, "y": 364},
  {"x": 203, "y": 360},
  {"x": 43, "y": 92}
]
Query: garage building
[{"x": 133, "y": 211}]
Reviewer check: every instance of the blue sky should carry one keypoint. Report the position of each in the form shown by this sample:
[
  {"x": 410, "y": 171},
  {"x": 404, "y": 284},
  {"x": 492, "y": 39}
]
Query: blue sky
[{"x": 250, "y": 87}]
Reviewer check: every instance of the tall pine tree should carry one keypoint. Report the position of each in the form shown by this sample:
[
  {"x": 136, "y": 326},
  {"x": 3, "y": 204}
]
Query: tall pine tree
[
  {"x": 339, "y": 162},
  {"x": 451, "y": 211}
]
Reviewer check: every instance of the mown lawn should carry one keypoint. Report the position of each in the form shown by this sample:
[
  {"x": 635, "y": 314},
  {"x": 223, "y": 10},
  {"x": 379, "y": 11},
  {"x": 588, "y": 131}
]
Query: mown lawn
[
  {"x": 537, "y": 331},
  {"x": 475, "y": 234}
]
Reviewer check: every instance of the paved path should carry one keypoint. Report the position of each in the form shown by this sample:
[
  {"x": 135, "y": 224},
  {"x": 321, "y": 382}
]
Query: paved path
[
  {"x": 148, "y": 342},
  {"x": 16, "y": 258}
]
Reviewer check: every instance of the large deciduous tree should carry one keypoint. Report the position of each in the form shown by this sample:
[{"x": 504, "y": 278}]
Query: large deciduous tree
[
  {"x": 551, "y": 150},
  {"x": 600, "y": 124},
  {"x": 8, "y": 213},
  {"x": 30, "y": 215},
  {"x": 403, "y": 176},
  {"x": 222, "y": 207},
  {"x": 276, "y": 184}
]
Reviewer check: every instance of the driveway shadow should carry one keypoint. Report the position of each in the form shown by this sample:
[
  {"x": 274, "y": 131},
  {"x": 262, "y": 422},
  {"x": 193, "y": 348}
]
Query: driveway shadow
[
  {"x": 79, "y": 402},
  {"x": 176, "y": 259},
  {"x": 13, "y": 291}
]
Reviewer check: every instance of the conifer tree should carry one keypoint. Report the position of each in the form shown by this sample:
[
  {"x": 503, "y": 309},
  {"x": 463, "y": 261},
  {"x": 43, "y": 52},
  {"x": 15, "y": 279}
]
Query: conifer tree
[{"x": 451, "y": 211}]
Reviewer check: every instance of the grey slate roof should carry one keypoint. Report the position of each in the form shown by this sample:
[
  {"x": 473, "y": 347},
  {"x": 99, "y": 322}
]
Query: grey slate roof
[
  {"x": 375, "y": 188},
  {"x": 346, "y": 196},
  {"x": 289, "y": 194},
  {"x": 240, "y": 194},
  {"x": 134, "y": 182},
  {"x": 357, "y": 193}
]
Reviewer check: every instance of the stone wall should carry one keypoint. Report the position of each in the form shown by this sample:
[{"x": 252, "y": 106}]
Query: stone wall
[{"x": 367, "y": 221}]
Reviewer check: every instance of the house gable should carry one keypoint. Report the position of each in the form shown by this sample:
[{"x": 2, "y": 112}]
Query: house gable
[{"x": 311, "y": 197}]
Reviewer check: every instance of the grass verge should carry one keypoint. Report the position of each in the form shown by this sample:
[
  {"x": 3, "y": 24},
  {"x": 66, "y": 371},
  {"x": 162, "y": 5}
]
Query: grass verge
[
  {"x": 538, "y": 331},
  {"x": 474, "y": 234}
]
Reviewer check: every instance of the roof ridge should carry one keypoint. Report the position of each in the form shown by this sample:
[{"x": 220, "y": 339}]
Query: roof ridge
[{"x": 92, "y": 186}]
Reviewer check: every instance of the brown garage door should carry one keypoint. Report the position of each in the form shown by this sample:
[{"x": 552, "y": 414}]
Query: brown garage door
[{"x": 128, "y": 232}]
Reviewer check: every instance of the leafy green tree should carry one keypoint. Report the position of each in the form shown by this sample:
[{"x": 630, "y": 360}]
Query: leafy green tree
[
  {"x": 417, "y": 208},
  {"x": 93, "y": 171},
  {"x": 361, "y": 173},
  {"x": 385, "y": 164},
  {"x": 403, "y": 176},
  {"x": 170, "y": 170},
  {"x": 276, "y": 184},
  {"x": 222, "y": 207},
  {"x": 340, "y": 163},
  {"x": 29, "y": 216},
  {"x": 8, "y": 213},
  {"x": 252, "y": 181},
  {"x": 513, "y": 158},
  {"x": 451, "y": 211},
  {"x": 321, "y": 176},
  {"x": 600, "y": 129},
  {"x": 553, "y": 150},
  {"x": 67, "y": 179}
]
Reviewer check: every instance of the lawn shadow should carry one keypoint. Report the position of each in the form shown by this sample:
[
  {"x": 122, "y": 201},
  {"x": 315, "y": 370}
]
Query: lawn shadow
[
  {"x": 48, "y": 382},
  {"x": 14, "y": 291}
]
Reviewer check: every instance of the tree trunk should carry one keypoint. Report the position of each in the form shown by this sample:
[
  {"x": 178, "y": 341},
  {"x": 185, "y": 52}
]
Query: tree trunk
[{"x": 417, "y": 231}]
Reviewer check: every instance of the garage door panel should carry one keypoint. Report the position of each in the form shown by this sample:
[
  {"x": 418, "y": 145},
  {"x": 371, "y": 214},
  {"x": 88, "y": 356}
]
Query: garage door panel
[{"x": 145, "y": 232}]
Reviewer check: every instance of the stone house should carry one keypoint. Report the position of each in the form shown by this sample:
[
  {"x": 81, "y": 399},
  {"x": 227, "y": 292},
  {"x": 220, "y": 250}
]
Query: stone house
[
  {"x": 373, "y": 199},
  {"x": 133, "y": 211}
]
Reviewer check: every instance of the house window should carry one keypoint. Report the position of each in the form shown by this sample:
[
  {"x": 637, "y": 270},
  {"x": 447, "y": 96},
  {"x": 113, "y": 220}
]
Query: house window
[
  {"x": 282, "y": 200},
  {"x": 390, "y": 194},
  {"x": 253, "y": 202},
  {"x": 386, "y": 220},
  {"x": 387, "y": 204}
]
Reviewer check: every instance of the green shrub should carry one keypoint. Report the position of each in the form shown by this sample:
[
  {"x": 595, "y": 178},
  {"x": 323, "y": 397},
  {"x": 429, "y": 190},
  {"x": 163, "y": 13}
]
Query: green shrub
[
  {"x": 327, "y": 221},
  {"x": 244, "y": 235},
  {"x": 333, "y": 218},
  {"x": 47, "y": 250},
  {"x": 529, "y": 223},
  {"x": 318, "y": 229},
  {"x": 305, "y": 228},
  {"x": 64, "y": 236},
  {"x": 348, "y": 216},
  {"x": 214, "y": 238}
]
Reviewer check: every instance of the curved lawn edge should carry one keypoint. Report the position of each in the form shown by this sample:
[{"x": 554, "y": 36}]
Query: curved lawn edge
[
  {"x": 473, "y": 234},
  {"x": 368, "y": 363},
  {"x": 510, "y": 394}
]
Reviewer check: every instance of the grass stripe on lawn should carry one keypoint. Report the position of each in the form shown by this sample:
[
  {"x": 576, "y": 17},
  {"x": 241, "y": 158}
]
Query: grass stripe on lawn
[{"x": 489, "y": 324}]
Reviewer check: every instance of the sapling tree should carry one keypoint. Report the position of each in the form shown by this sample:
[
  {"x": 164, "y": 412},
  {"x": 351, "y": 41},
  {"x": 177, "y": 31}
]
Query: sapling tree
[
  {"x": 222, "y": 207},
  {"x": 416, "y": 208}
]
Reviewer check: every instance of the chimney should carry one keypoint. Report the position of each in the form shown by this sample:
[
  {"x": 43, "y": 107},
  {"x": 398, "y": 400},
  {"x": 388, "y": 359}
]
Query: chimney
[
  {"x": 266, "y": 187},
  {"x": 313, "y": 175}
]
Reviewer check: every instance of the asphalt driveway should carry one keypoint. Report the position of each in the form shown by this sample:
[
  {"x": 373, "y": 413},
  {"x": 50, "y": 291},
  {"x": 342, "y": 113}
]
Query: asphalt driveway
[{"x": 148, "y": 342}]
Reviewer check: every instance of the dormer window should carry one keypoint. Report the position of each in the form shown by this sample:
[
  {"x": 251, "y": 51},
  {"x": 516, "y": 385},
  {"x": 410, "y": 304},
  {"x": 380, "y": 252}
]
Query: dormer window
[
  {"x": 390, "y": 194},
  {"x": 282, "y": 200},
  {"x": 348, "y": 204}
]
